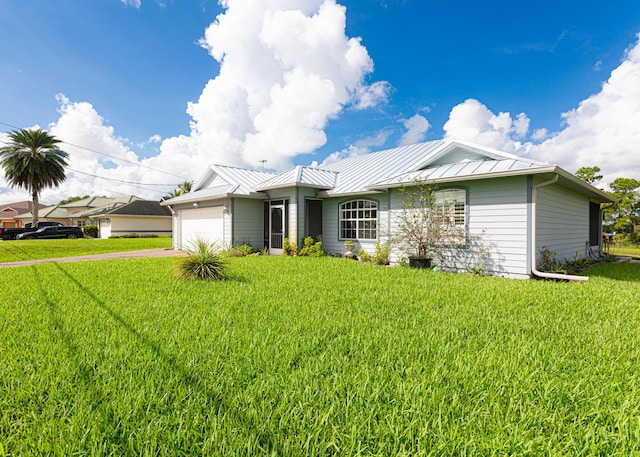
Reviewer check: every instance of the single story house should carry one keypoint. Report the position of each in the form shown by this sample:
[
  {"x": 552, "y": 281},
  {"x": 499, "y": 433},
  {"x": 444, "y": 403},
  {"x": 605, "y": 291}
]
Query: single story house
[
  {"x": 114, "y": 216},
  {"x": 508, "y": 207},
  {"x": 140, "y": 217}
]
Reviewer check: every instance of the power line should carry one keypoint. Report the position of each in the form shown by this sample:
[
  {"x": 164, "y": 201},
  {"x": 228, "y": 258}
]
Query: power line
[
  {"x": 110, "y": 156},
  {"x": 122, "y": 181}
]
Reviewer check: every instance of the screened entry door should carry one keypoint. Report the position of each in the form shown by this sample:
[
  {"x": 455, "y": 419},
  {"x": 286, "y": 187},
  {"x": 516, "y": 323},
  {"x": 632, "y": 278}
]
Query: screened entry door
[{"x": 276, "y": 229}]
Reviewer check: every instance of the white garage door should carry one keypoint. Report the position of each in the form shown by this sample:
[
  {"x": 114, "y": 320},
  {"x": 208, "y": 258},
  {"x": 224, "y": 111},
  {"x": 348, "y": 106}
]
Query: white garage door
[{"x": 201, "y": 224}]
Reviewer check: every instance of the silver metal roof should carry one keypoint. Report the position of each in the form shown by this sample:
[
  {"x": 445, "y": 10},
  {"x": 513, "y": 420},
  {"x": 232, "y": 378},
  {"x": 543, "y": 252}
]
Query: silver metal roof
[
  {"x": 356, "y": 173},
  {"x": 246, "y": 180},
  {"x": 455, "y": 171},
  {"x": 301, "y": 176},
  {"x": 439, "y": 161}
]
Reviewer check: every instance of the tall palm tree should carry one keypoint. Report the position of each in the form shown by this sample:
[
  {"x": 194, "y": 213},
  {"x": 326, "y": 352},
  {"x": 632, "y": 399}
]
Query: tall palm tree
[{"x": 33, "y": 161}]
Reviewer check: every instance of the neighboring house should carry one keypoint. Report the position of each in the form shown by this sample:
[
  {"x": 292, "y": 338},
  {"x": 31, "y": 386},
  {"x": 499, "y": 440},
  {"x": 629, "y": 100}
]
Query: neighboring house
[
  {"x": 79, "y": 212},
  {"x": 508, "y": 207},
  {"x": 114, "y": 216},
  {"x": 9, "y": 213},
  {"x": 140, "y": 217}
]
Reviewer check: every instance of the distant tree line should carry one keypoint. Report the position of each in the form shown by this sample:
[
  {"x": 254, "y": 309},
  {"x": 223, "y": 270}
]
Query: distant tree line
[{"x": 622, "y": 217}]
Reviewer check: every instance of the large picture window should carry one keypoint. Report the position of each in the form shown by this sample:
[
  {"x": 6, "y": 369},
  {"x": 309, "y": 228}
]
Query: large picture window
[
  {"x": 450, "y": 215},
  {"x": 359, "y": 220}
]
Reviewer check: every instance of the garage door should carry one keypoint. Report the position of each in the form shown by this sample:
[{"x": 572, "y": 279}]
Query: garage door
[{"x": 201, "y": 224}]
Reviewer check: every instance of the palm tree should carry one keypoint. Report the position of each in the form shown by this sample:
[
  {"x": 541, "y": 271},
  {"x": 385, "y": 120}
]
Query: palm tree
[
  {"x": 33, "y": 161},
  {"x": 183, "y": 188}
]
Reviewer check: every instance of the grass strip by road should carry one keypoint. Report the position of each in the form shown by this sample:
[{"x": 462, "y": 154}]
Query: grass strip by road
[
  {"x": 304, "y": 356},
  {"x": 626, "y": 250},
  {"x": 18, "y": 250}
]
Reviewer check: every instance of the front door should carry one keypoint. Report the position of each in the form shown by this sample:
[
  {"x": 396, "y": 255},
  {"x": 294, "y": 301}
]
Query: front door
[{"x": 276, "y": 228}]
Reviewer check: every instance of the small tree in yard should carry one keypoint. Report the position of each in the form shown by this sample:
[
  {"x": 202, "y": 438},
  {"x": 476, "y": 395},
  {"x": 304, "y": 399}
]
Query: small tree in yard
[{"x": 425, "y": 226}]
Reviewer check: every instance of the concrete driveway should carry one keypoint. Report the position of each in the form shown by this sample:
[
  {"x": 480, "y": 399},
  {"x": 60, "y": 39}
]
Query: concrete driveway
[{"x": 160, "y": 252}]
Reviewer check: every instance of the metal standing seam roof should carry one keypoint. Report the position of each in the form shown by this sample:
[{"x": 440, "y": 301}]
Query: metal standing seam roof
[
  {"x": 243, "y": 179},
  {"x": 355, "y": 174},
  {"x": 468, "y": 169},
  {"x": 301, "y": 176},
  {"x": 378, "y": 171}
]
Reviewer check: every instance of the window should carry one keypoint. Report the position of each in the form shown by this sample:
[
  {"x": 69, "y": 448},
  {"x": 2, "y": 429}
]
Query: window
[
  {"x": 359, "y": 220},
  {"x": 450, "y": 215}
]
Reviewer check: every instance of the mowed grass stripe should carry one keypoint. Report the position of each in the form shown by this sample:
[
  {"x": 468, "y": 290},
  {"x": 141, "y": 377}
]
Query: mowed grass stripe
[
  {"x": 19, "y": 250},
  {"x": 316, "y": 356}
]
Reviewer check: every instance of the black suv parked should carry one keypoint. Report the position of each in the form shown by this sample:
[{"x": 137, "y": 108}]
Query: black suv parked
[{"x": 53, "y": 232}]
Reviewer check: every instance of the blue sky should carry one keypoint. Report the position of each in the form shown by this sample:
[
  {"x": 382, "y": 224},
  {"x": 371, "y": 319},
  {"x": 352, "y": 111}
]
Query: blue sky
[{"x": 117, "y": 76}]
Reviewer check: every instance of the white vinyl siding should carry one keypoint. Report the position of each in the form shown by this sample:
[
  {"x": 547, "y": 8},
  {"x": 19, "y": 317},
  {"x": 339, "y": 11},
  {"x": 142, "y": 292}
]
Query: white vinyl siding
[
  {"x": 301, "y": 218},
  {"x": 562, "y": 222},
  {"x": 248, "y": 222},
  {"x": 140, "y": 225},
  {"x": 496, "y": 223}
]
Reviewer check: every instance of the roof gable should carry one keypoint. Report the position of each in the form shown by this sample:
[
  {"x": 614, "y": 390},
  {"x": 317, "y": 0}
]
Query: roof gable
[
  {"x": 301, "y": 176},
  {"x": 242, "y": 179},
  {"x": 455, "y": 151}
]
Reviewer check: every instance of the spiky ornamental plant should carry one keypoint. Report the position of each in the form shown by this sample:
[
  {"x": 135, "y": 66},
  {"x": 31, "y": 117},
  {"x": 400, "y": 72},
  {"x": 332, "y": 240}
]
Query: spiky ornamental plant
[
  {"x": 201, "y": 262},
  {"x": 33, "y": 161}
]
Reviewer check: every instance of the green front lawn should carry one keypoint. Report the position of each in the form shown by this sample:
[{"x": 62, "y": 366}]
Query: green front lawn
[
  {"x": 316, "y": 356},
  {"x": 626, "y": 250},
  {"x": 15, "y": 251}
]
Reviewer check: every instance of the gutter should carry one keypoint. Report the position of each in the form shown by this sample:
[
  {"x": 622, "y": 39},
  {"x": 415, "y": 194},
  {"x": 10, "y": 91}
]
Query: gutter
[{"x": 534, "y": 269}]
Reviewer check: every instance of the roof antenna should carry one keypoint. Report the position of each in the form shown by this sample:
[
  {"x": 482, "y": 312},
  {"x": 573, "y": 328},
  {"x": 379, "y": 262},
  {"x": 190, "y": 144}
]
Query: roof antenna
[{"x": 262, "y": 162}]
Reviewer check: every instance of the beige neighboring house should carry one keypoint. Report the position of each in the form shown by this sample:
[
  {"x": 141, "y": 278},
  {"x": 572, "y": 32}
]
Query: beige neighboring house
[
  {"x": 140, "y": 217},
  {"x": 79, "y": 212},
  {"x": 9, "y": 213},
  {"x": 114, "y": 216}
]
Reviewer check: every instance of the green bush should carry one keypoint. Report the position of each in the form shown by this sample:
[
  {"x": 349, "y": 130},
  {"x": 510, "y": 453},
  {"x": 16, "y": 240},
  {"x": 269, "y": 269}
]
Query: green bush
[
  {"x": 311, "y": 248},
  {"x": 201, "y": 262},
  {"x": 91, "y": 231},
  {"x": 289, "y": 247},
  {"x": 380, "y": 255},
  {"x": 241, "y": 250}
]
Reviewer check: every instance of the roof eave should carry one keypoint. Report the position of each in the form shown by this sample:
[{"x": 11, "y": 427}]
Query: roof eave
[
  {"x": 599, "y": 194},
  {"x": 293, "y": 184}
]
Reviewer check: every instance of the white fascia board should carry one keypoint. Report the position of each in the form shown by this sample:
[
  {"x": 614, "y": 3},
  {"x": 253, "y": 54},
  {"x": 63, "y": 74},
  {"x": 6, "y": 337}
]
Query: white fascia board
[
  {"x": 327, "y": 194},
  {"x": 501, "y": 174}
]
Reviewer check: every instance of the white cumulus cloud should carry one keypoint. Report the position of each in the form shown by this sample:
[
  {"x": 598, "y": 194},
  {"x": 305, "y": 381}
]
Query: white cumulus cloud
[
  {"x": 286, "y": 68},
  {"x": 602, "y": 131},
  {"x": 417, "y": 127},
  {"x": 473, "y": 121}
]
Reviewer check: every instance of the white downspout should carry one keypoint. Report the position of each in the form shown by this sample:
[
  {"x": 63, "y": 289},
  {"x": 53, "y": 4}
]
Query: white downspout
[{"x": 534, "y": 269}]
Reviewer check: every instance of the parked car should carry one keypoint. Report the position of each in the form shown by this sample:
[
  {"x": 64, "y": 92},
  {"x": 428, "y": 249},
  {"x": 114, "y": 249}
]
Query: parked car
[
  {"x": 12, "y": 233},
  {"x": 53, "y": 232}
]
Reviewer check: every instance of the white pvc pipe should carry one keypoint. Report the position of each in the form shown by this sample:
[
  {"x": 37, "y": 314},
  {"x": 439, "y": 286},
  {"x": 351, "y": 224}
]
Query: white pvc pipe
[{"x": 534, "y": 269}]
